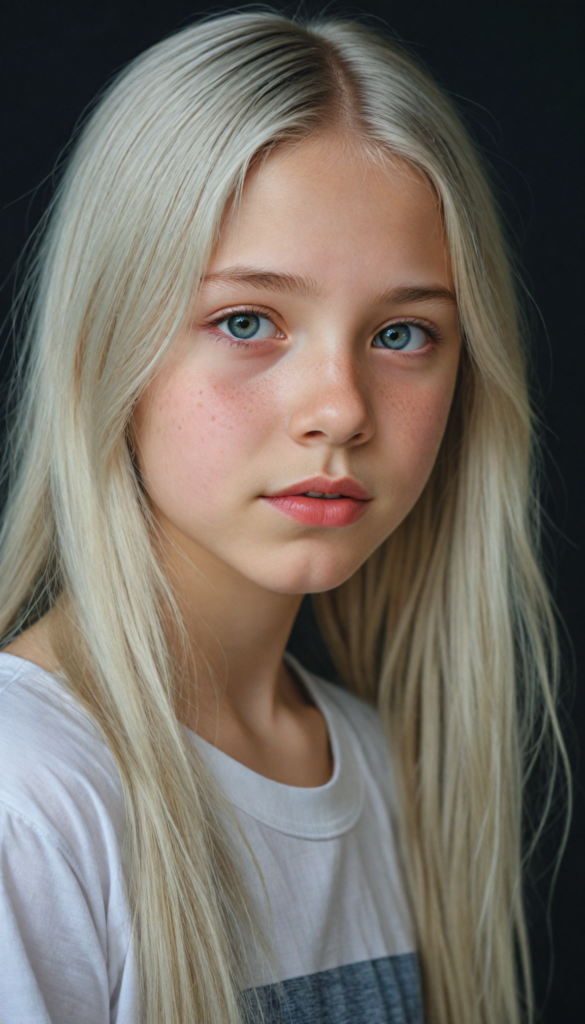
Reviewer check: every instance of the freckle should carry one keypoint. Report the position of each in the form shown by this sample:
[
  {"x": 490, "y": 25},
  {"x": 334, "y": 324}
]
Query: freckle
[
  {"x": 213, "y": 419},
  {"x": 199, "y": 404}
]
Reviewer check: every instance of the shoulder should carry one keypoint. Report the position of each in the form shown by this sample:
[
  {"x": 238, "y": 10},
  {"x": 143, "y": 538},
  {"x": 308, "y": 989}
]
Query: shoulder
[
  {"x": 57, "y": 774},
  {"x": 64, "y": 920}
]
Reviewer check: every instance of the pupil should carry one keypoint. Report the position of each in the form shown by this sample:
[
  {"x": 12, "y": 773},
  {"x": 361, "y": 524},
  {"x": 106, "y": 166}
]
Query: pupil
[
  {"x": 397, "y": 336},
  {"x": 244, "y": 325}
]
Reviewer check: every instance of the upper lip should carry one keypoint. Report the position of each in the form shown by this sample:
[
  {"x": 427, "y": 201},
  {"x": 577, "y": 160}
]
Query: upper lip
[{"x": 345, "y": 486}]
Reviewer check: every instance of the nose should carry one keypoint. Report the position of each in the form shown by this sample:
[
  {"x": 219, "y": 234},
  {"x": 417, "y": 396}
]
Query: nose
[{"x": 332, "y": 402}]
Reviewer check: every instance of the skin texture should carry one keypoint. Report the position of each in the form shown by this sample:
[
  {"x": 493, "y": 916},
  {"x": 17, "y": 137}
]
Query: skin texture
[{"x": 223, "y": 425}]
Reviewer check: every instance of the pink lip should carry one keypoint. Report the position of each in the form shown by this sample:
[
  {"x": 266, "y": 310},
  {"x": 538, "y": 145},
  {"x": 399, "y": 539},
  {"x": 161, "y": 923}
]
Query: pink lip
[
  {"x": 344, "y": 485},
  {"x": 344, "y": 511}
]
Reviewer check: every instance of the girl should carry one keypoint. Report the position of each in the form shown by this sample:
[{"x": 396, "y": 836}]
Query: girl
[{"x": 274, "y": 352}]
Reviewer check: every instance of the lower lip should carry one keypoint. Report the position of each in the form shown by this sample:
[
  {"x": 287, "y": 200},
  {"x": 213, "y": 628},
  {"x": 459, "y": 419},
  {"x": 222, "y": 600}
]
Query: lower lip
[{"x": 320, "y": 511}]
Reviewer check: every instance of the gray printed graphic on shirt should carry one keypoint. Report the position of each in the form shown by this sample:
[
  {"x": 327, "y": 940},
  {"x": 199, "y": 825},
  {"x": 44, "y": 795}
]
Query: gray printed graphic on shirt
[{"x": 381, "y": 991}]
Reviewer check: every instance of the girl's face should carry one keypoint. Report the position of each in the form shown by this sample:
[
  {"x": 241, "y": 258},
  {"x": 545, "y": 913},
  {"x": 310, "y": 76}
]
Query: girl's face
[{"x": 321, "y": 356}]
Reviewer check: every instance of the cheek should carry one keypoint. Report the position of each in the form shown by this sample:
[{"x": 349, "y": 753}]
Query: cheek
[
  {"x": 197, "y": 435},
  {"x": 414, "y": 424}
]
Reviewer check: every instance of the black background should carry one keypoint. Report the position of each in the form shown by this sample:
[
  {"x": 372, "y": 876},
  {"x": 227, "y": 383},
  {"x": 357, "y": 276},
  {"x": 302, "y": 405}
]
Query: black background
[{"x": 515, "y": 69}]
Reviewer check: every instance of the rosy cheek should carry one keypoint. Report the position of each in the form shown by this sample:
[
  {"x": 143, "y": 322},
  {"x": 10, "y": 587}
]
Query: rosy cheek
[
  {"x": 197, "y": 436},
  {"x": 414, "y": 424},
  {"x": 428, "y": 420}
]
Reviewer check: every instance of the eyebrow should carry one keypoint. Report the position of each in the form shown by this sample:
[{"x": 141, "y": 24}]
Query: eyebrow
[
  {"x": 307, "y": 287},
  {"x": 413, "y": 293}
]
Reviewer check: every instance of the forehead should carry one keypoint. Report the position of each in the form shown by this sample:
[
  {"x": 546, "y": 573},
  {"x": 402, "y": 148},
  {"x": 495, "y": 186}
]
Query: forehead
[{"x": 328, "y": 211}]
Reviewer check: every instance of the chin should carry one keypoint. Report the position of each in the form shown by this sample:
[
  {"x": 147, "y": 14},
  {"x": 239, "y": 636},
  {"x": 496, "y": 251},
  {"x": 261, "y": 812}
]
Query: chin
[{"x": 307, "y": 577}]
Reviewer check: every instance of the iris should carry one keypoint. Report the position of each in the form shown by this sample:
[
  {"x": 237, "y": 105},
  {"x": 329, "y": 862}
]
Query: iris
[
  {"x": 244, "y": 325},
  {"x": 396, "y": 336}
]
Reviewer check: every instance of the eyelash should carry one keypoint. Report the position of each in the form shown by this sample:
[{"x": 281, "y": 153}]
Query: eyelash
[
  {"x": 429, "y": 329},
  {"x": 433, "y": 332}
]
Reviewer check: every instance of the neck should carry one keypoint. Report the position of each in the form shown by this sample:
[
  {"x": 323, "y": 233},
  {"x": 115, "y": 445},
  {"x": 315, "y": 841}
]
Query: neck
[{"x": 237, "y": 633}]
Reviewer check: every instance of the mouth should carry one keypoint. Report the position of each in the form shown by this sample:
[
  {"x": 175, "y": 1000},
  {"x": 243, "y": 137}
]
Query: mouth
[
  {"x": 323, "y": 487},
  {"x": 322, "y": 502}
]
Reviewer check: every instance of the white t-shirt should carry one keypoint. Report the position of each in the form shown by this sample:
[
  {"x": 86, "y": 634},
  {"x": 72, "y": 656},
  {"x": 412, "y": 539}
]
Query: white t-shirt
[{"x": 341, "y": 931}]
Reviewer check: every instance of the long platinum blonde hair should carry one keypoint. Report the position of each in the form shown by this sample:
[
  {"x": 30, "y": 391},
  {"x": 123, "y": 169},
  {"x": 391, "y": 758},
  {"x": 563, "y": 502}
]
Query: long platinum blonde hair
[{"x": 447, "y": 628}]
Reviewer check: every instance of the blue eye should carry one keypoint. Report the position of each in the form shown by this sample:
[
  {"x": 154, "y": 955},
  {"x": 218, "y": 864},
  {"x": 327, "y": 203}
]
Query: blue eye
[
  {"x": 247, "y": 327},
  {"x": 401, "y": 338}
]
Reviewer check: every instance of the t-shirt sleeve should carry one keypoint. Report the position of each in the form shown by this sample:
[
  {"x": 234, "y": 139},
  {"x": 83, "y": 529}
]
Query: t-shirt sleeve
[{"x": 52, "y": 955}]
